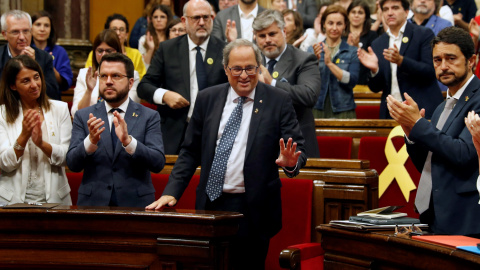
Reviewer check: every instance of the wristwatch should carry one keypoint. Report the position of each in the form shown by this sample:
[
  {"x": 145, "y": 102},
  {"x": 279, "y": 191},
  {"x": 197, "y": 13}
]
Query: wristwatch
[{"x": 18, "y": 146}]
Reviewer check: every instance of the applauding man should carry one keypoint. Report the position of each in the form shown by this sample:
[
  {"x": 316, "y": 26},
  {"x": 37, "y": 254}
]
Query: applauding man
[{"x": 116, "y": 143}]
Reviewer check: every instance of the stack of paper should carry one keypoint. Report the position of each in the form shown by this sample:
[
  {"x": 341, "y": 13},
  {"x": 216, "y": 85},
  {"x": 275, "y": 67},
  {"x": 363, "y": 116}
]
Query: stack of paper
[{"x": 453, "y": 241}]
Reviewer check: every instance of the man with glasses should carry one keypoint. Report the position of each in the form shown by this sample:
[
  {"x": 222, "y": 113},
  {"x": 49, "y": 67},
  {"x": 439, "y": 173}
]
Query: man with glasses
[
  {"x": 180, "y": 68},
  {"x": 236, "y": 21},
  {"x": 240, "y": 133},
  {"x": 117, "y": 143},
  {"x": 16, "y": 29},
  {"x": 290, "y": 69}
]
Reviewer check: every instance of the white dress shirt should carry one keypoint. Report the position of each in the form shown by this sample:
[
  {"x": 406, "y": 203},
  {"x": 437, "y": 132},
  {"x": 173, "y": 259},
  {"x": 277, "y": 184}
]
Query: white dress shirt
[
  {"x": 192, "y": 54},
  {"x": 246, "y": 21},
  {"x": 397, "y": 40},
  {"x": 234, "y": 179}
]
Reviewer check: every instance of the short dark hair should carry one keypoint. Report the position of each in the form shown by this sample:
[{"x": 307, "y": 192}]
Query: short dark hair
[
  {"x": 119, "y": 58},
  {"x": 11, "y": 98},
  {"x": 52, "y": 38},
  {"x": 367, "y": 23},
  {"x": 171, "y": 24},
  {"x": 457, "y": 36},
  {"x": 405, "y": 3},
  {"x": 116, "y": 16},
  {"x": 110, "y": 38}
]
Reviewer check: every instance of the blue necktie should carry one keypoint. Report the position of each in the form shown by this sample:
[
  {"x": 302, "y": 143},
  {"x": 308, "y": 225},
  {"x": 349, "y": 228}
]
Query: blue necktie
[
  {"x": 219, "y": 166},
  {"x": 271, "y": 65},
  {"x": 201, "y": 70},
  {"x": 112, "y": 129}
]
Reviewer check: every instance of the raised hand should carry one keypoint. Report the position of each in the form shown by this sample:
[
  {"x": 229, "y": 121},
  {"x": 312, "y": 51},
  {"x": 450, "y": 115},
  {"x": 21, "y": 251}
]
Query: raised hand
[
  {"x": 91, "y": 79},
  {"x": 121, "y": 128},
  {"x": 393, "y": 55},
  {"x": 231, "y": 31},
  {"x": 94, "y": 125},
  {"x": 288, "y": 157},
  {"x": 368, "y": 59}
]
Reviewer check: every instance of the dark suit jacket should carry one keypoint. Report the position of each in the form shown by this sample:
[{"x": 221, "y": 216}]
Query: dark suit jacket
[
  {"x": 170, "y": 70},
  {"x": 415, "y": 75},
  {"x": 46, "y": 63},
  {"x": 454, "y": 166},
  {"x": 275, "y": 119},
  {"x": 103, "y": 169},
  {"x": 220, "y": 22},
  {"x": 298, "y": 74},
  {"x": 308, "y": 10}
]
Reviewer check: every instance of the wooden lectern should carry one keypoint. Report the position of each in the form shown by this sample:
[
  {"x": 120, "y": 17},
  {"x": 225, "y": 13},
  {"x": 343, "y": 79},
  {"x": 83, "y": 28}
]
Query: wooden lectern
[{"x": 71, "y": 237}]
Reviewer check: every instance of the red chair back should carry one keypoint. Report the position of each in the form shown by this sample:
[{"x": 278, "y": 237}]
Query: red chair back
[
  {"x": 335, "y": 147},
  {"x": 368, "y": 112}
]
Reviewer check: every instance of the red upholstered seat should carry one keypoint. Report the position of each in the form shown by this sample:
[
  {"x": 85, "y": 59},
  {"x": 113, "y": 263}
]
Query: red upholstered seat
[
  {"x": 373, "y": 149},
  {"x": 368, "y": 112},
  {"x": 296, "y": 218},
  {"x": 335, "y": 147}
]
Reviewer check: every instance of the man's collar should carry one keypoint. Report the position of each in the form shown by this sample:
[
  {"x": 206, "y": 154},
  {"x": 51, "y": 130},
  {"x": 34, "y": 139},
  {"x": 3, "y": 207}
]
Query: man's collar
[
  {"x": 460, "y": 91},
  {"x": 192, "y": 45},
  {"x": 254, "y": 11},
  {"x": 123, "y": 106},
  {"x": 232, "y": 95},
  {"x": 400, "y": 32}
]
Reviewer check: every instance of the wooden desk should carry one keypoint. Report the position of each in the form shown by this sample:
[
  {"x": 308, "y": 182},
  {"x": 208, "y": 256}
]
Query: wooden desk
[
  {"x": 115, "y": 238},
  {"x": 381, "y": 250}
]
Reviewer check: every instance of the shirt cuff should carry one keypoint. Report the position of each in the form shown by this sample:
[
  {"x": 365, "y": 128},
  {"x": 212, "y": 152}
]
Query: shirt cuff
[
  {"x": 158, "y": 96},
  {"x": 374, "y": 74},
  {"x": 90, "y": 148},
  {"x": 345, "y": 77},
  {"x": 132, "y": 146},
  {"x": 291, "y": 171}
]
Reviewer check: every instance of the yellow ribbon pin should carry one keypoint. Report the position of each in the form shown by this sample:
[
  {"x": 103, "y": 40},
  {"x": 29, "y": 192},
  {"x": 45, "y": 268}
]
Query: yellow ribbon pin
[
  {"x": 396, "y": 168},
  {"x": 210, "y": 61},
  {"x": 275, "y": 74},
  {"x": 466, "y": 98},
  {"x": 405, "y": 39},
  {"x": 338, "y": 61}
]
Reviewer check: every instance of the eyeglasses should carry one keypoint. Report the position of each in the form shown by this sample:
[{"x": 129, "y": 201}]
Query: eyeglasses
[
  {"x": 121, "y": 29},
  {"x": 237, "y": 71},
  {"x": 17, "y": 32},
  {"x": 197, "y": 18},
  {"x": 406, "y": 232},
  {"x": 107, "y": 51},
  {"x": 115, "y": 77},
  {"x": 177, "y": 30}
]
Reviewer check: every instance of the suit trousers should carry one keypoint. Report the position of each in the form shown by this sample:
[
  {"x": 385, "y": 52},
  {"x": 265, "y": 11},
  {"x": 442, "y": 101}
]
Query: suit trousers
[{"x": 249, "y": 250}]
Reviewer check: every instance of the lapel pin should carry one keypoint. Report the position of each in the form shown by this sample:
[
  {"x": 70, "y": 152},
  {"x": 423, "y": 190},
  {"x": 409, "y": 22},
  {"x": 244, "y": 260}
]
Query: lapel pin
[
  {"x": 405, "y": 39},
  {"x": 53, "y": 134},
  {"x": 134, "y": 114},
  {"x": 275, "y": 74},
  {"x": 338, "y": 61},
  {"x": 256, "y": 110},
  {"x": 261, "y": 101},
  {"x": 210, "y": 61},
  {"x": 466, "y": 98}
]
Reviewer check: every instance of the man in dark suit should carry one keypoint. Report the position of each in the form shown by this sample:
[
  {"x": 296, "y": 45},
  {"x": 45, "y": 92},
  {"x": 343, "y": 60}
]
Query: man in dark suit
[
  {"x": 236, "y": 22},
  {"x": 447, "y": 197},
  {"x": 18, "y": 33},
  {"x": 289, "y": 69},
  {"x": 240, "y": 154},
  {"x": 175, "y": 76},
  {"x": 116, "y": 143},
  {"x": 400, "y": 60}
]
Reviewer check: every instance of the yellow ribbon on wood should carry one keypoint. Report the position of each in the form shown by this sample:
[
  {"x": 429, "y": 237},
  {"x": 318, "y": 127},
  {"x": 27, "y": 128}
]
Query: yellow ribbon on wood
[{"x": 396, "y": 167}]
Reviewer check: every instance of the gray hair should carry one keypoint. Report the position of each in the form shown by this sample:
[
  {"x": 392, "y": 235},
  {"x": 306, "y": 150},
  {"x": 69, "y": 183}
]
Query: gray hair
[
  {"x": 267, "y": 18},
  {"x": 240, "y": 43},
  {"x": 186, "y": 5},
  {"x": 17, "y": 14}
]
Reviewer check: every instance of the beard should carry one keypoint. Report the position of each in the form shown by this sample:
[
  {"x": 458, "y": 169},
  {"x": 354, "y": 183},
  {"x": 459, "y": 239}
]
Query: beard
[
  {"x": 421, "y": 10},
  {"x": 456, "y": 80},
  {"x": 248, "y": 2},
  {"x": 121, "y": 94}
]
